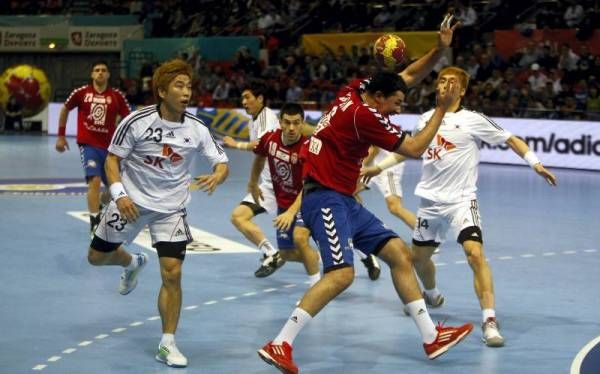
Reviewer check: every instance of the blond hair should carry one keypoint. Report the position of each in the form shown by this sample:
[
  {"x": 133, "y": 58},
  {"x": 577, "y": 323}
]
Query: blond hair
[
  {"x": 463, "y": 76},
  {"x": 166, "y": 73}
]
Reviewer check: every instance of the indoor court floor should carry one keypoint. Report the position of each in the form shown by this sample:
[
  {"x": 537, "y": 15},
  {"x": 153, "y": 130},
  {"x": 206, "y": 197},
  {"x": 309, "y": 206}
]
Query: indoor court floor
[{"x": 60, "y": 315}]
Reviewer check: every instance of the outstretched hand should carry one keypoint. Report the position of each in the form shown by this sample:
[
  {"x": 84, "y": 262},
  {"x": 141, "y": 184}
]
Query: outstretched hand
[
  {"x": 228, "y": 141},
  {"x": 207, "y": 183},
  {"x": 544, "y": 173},
  {"x": 446, "y": 31}
]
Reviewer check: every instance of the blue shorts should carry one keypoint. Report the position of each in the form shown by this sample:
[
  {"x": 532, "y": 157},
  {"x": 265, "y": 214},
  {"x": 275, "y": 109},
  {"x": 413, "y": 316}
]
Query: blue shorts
[
  {"x": 285, "y": 239},
  {"x": 340, "y": 224},
  {"x": 92, "y": 159}
]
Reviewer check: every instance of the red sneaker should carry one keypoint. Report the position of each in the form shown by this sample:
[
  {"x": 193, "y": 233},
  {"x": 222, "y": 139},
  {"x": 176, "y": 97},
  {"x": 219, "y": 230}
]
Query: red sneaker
[
  {"x": 279, "y": 356},
  {"x": 447, "y": 338}
]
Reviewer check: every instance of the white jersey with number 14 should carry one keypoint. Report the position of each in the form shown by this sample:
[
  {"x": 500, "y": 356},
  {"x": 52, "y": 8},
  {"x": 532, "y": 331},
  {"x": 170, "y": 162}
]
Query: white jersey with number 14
[{"x": 450, "y": 162}]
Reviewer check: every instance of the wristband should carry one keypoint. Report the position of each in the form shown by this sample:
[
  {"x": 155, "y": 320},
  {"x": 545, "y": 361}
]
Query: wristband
[
  {"x": 62, "y": 130},
  {"x": 117, "y": 191},
  {"x": 531, "y": 158}
]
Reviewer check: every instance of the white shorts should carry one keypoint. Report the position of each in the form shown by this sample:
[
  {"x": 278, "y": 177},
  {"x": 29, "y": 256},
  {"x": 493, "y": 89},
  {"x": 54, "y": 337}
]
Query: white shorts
[
  {"x": 389, "y": 182},
  {"x": 269, "y": 203},
  {"x": 164, "y": 227},
  {"x": 434, "y": 220}
]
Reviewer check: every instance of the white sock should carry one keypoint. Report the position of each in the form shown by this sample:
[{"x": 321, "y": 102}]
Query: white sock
[
  {"x": 314, "y": 278},
  {"x": 360, "y": 254},
  {"x": 420, "y": 315},
  {"x": 487, "y": 313},
  {"x": 134, "y": 262},
  {"x": 432, "y": 293},
  {"x": 267, "y": 248},
  {"x": 292, "y": 327},
  {"x": 167, "y": 339}
]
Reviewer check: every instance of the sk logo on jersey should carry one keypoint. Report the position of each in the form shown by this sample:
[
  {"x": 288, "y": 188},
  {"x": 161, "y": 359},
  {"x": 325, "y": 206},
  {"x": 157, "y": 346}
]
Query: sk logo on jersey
[
  {"x": 167, "y": 151},
  {"x": 172, "y": 155},
  {"x": 435, "y": 153}
]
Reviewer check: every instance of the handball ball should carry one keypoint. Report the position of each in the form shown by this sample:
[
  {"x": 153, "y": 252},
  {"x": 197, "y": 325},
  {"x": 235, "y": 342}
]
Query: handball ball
[
  {"x": 29, "y": 85},
  {"x": 389, "y": 51}
]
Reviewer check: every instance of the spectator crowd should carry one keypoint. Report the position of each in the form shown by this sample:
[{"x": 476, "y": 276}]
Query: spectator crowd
[{"x": 543, "y": 80}]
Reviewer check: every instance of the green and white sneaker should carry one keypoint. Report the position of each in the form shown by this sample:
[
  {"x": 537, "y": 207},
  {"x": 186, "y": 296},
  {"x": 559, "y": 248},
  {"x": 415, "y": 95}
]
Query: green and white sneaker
[
  {"x": 170, "y": 355},
  {"x": 129, "y": 277}
]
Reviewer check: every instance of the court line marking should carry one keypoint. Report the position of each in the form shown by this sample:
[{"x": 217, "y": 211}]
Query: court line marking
[
  {"x": 578, "y": 360},
  {"x": 84, "y": 343}
]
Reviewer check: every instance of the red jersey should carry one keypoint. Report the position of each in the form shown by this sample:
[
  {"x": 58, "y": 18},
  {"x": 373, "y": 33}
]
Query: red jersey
[
  {"x": 97, "y": 114},
  {"x": 285, "y": 166},
  {"x": 342, "y": 139}
]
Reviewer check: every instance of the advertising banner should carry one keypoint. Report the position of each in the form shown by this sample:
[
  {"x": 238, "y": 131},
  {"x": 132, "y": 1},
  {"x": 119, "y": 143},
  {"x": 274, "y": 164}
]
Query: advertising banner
[
  {"x": 19, "y": 39},
  {"x": 94, "y": 39},
  {"x": 564, "y": 144}
]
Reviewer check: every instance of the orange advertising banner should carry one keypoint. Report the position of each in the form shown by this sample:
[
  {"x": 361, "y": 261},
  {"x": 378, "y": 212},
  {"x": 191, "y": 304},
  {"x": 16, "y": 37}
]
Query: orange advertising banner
[{"x": 418, "y": 42}]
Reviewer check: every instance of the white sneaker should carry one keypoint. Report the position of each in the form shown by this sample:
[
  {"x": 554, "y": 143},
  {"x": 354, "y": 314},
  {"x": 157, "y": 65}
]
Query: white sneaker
[
  {"x": 491, "y": 334},
  {"x": 170, "y": 355},
  {"x": 129, "y": 277}
]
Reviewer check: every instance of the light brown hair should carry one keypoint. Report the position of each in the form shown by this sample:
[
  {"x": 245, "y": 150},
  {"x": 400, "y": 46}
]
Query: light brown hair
[{"x": 166, "y": 73}]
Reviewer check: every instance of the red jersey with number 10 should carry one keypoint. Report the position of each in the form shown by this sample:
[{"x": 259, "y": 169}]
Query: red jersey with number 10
[
  {"x": 97, "y": 114},
  {"x": 285, "y": 166},
  {"x": 342, "y": 139}
]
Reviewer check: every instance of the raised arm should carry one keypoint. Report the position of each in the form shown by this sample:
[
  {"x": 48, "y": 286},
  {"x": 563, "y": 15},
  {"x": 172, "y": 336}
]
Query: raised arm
[
  {"x": 418, "y": 70},
  {"x": 414, "y": 146}
]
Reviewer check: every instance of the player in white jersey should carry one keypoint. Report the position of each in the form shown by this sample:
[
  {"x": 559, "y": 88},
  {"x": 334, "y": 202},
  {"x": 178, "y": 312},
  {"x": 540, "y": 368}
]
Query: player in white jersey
[
  {"x": 148, "y": 171},
  {"x": 448, "y": 196},
  {"x": 263, "y": 120},
  {"x": 388, "y": 183}
]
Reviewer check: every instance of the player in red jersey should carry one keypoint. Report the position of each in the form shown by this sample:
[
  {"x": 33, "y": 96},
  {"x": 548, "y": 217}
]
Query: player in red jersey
[
  {"x": 281, "y": 149},
  {"x": 98, "y": 106},
  {"x": 357, "y": 120}
]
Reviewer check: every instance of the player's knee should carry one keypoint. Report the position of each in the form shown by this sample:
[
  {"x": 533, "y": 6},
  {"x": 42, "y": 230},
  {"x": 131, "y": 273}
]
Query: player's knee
[
  {"x": 419, "y": 256},
  {"x": 475, "y": 256},
  {"x": 405, "y": 256},
  {"x": 238, "y": 218},
  {"x": 171, "y": 276},
  {"x": 341, "y": 278},
  {"x": 96, "y": 258},
  {"x": 94, "y": 182},
  {"x": 301, "y": 239}
]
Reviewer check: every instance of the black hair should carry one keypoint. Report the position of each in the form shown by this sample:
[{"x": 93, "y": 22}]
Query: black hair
[
  {"x": 387, "y": 83},
  {"x": 291, "y": 109},
  {"x": 99, "y": 62},
  {"x": 258, "y": 88}
]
